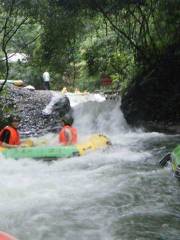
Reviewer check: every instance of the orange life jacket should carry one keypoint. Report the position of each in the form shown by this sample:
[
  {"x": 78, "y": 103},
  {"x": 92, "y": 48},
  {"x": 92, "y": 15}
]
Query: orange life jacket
[
  {"x": 62, "y": 137},
  {"x": 14, "y": 135}
]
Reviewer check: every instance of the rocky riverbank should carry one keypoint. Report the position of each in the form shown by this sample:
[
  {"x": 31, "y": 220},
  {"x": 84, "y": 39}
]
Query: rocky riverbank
[{"x": 29, "y": 105}]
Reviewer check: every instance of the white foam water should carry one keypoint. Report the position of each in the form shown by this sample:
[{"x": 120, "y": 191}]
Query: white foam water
[{"x": 114, "y": 193}]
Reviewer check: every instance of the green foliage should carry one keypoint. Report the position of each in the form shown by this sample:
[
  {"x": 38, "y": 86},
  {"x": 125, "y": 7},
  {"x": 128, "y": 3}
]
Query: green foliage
[
  {"x": 82, "y": 39},
  {"x": 6, "y": 108}
]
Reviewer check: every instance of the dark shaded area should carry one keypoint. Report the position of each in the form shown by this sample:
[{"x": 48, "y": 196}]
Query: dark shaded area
[{"x": 154, "y": 101}]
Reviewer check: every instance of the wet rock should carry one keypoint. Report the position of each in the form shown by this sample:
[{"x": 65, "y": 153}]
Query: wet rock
[{"x": 153, "y": 99}]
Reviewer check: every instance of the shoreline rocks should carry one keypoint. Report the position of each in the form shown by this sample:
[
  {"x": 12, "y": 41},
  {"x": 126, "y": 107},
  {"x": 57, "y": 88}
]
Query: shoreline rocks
[{"x": 29, "y": 106}]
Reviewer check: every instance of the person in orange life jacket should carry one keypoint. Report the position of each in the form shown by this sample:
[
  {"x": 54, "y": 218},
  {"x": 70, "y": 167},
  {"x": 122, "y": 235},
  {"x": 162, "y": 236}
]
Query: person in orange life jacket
[
  {"x": 9, "y": 135},
  {"x": 68, "y": 134}
]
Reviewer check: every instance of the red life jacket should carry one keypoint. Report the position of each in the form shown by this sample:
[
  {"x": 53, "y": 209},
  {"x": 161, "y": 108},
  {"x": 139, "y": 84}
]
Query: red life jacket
[
  {"x": 14, "y": 135},
  {"x": 62, "y": 136}
]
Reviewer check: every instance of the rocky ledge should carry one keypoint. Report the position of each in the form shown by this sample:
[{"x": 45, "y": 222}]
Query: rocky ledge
[{"x": 153, "y": 98}]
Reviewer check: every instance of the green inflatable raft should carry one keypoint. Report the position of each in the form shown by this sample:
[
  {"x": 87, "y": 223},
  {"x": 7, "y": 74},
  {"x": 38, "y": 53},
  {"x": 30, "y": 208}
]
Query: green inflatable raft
[
  {"x": 174, "y": 158},
  {"x": 175, "y": 161},
  {"x": 50, "y": 152}
]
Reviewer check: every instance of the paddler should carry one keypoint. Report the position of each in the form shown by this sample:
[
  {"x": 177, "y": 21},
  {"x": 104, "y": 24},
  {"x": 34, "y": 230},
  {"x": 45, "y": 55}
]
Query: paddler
[
  {"x": 68, "y": 133},
  {"x": 9, "y": 135}
]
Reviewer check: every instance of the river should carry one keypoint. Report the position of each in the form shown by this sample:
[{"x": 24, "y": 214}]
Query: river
[{"x": 119, "y": 193}]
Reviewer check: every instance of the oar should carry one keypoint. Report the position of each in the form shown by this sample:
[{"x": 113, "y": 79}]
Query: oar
[
  {"x": 30, "y": 143},
  {"x": 165, "y": 159},
  {"x": 27, "y": 143}
]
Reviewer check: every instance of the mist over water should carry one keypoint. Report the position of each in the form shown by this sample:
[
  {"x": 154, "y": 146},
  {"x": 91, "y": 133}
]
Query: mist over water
[{"x": 118, "y": 193}]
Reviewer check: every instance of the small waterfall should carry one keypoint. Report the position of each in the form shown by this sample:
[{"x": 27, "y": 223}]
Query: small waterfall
[{"x": 103, "y": 117}]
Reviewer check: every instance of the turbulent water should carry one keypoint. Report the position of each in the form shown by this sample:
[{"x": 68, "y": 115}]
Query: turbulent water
[{"x": 119, "y": 193}]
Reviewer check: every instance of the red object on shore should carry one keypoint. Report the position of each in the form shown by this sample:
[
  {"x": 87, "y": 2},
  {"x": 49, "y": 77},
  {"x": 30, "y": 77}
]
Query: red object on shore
[
  {"x": 6, "y": 236},
  {"x": 106, "y": 80}
]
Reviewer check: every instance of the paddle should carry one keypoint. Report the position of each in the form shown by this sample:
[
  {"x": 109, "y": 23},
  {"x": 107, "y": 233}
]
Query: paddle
[
  {"x": 27, "y": 143},
  {"x": 31, "y": 143},
  {"x": 165, "y": 159}
]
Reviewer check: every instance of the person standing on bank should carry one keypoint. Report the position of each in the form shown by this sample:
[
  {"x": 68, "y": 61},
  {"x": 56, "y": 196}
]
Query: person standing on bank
[{"x": 46, "y": 79}]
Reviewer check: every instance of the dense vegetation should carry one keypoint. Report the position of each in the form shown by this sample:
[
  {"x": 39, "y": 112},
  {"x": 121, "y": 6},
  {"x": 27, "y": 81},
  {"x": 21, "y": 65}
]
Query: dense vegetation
[
  {"x": 86, "y": 38},
  {"x": 132, "y": 41}
]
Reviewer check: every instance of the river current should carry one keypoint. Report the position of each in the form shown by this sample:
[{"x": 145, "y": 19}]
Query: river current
[{"x": 118, "y": 193}]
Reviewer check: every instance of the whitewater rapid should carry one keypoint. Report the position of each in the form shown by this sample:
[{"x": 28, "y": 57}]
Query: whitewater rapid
[{"x": 118, "y": 193}]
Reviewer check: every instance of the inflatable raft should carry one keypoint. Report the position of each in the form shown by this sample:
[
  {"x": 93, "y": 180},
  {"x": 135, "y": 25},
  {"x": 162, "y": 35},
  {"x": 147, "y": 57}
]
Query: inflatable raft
[
  {"x": 50, "y": 152},
  {"x": 174, "y": 158},
  {"x": 175, "y": 161},
  {"x": 18, "y": 83}
]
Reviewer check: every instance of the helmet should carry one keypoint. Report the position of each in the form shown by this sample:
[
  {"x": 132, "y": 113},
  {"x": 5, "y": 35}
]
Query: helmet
[
  {"x": 13, "y": 118},
  {"x": 68, "y": 119}
]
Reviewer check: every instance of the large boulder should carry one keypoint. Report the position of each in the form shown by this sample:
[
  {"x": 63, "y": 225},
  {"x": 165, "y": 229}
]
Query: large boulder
[{"x": 153, "y": 101}]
